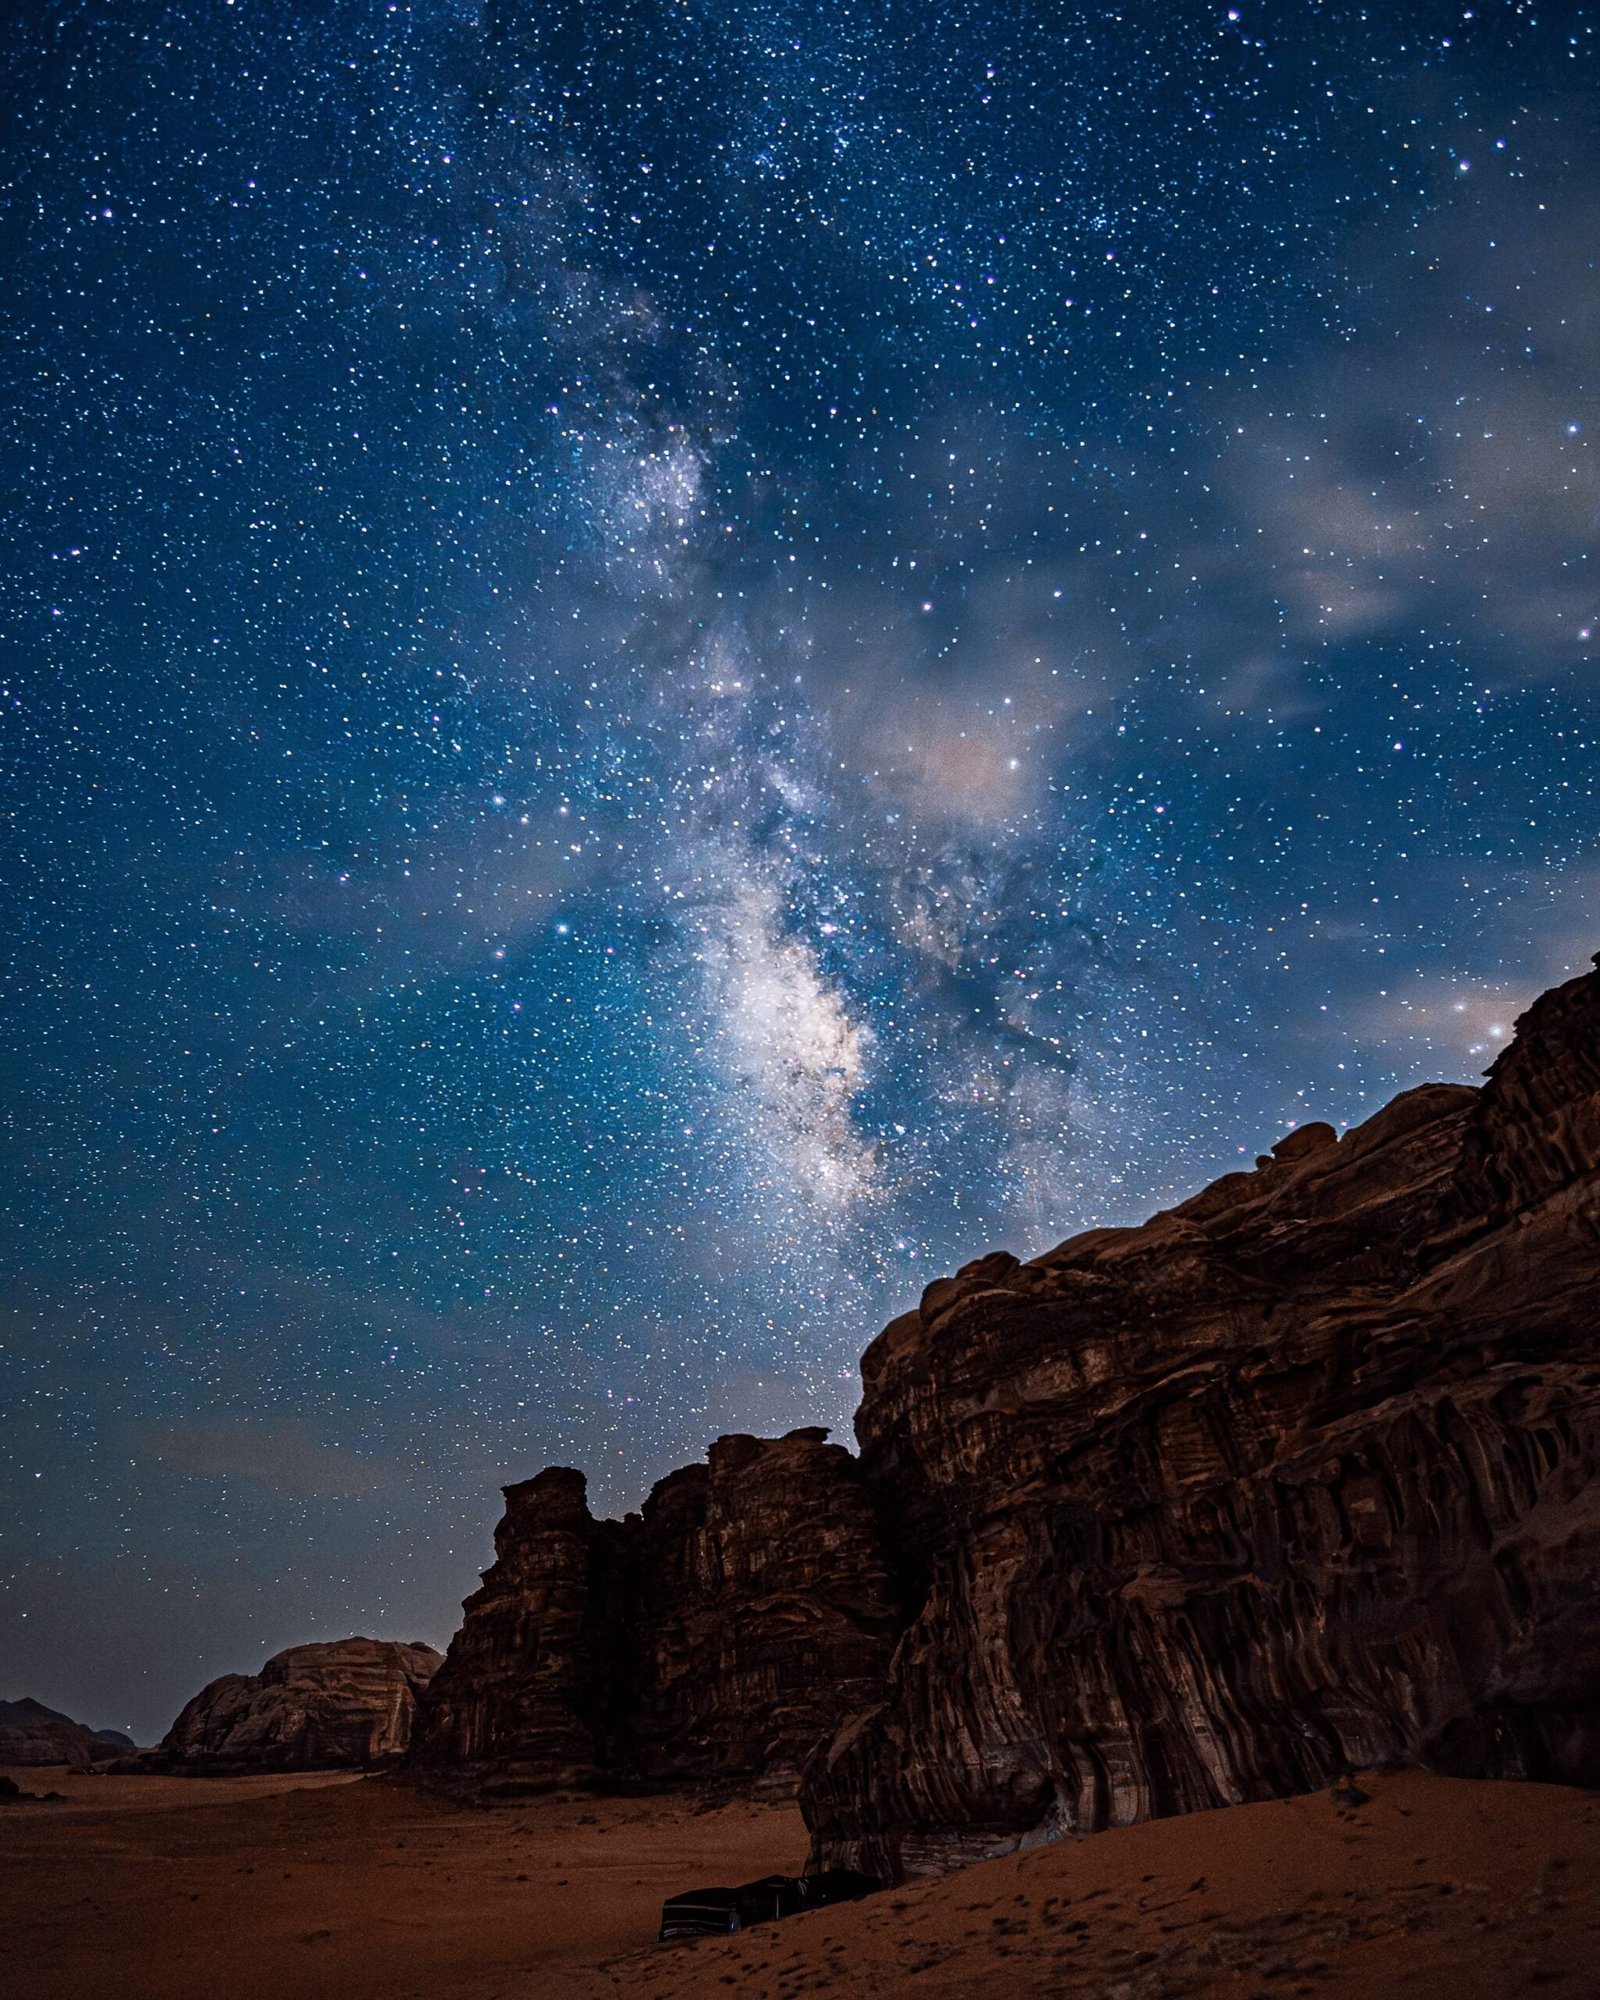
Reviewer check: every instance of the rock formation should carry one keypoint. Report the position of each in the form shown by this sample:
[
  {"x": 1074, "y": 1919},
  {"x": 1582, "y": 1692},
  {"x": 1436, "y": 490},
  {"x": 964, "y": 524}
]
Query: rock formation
[
  {"x": 529, "y": 1684},
  {"x": 717, "y": 1635},
  {"x": 322, "y": 1707},
  {"x": 1296, "y": 1477},
  {"x": 30, "y": 1733},
  {"x": 766, "y": 1608}
]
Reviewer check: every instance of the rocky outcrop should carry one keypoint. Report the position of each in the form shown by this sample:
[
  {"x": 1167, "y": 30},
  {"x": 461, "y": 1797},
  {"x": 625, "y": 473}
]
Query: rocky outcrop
[
  {"x": 766, "y": 1609},
  {"x": 718, "y": 1634},
  {"x": 531, "y": 1686},
  {"x": 1298, "y": 1476},
  {"x": 346, "y": 1704},
  {"x": 30, "y": 1733}
]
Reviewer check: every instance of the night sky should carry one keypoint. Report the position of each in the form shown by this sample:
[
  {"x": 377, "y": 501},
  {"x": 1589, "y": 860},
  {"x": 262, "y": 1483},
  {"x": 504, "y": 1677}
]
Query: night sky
[{"x": 670, "y": 664}]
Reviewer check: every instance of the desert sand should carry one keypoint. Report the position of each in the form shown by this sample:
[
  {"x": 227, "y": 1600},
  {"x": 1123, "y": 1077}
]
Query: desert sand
[
  {"x": 319, "y": 1888},
  {"x": 333, "y": 1888}
]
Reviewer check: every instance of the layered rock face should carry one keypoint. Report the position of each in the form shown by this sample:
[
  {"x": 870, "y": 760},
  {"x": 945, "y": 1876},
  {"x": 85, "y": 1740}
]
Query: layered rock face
[
  {"x": 532, "y": 1684},
  {"x": 348, "y": 1703},
  {"x": 30, "y": 1733},
  {"x": 1296, "y": 1477},
  {"x": 719, "y": 1634},
  {"x": 766, "y": 1609}
]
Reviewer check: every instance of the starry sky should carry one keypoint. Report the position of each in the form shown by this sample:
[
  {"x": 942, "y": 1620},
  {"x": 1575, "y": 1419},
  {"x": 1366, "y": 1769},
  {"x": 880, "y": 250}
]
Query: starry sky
[{"x": 669, "y": 665}]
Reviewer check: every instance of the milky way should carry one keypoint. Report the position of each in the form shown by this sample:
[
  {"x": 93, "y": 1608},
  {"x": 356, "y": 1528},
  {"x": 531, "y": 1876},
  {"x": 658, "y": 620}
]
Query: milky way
[{"x": 669, "y": 666}]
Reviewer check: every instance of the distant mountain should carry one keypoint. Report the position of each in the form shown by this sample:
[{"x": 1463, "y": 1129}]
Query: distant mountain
[{"x": 30, "y": 1733}]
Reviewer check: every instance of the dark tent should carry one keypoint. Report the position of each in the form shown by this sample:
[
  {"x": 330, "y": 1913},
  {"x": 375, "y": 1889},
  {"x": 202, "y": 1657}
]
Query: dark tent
[{"x": 715, "y": 1912}]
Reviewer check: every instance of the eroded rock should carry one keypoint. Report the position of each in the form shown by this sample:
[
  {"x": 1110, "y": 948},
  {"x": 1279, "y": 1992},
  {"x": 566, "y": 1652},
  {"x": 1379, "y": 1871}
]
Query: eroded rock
[
  {"x": 532, "y": 1687},
  {"x": 1297, "y": 1478},
  {"x": 31, "y": 1734},
  {"x": 718, "y": 1634},
  {"x": 766, "y": 1609},
  {"x": 348, "y": 1703}
]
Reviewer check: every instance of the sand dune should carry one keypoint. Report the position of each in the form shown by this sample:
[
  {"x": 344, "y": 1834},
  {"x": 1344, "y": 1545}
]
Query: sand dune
[{"x": 356, "y": 1889}]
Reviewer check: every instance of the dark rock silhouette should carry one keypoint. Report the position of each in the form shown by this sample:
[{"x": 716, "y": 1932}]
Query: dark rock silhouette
[
  {"x": 1295, "y": 1479},
  {"x": 717, "y": 1635},
  {"x": 529, "y": 1685},
  {"x": 30, "y": 1733},
  {"x": 348, "y": 1703}
]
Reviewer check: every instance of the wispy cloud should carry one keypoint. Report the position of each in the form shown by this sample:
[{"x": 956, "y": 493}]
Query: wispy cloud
[
  {"x": 1433, "y": 469},
  {"x": 284, "y": 1457}
]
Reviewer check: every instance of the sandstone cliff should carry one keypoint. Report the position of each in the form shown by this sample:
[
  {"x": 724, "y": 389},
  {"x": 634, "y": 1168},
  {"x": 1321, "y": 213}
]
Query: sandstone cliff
[
  {"x": 1297, "y": 1477},
  {"x": 531, "y": 1683},
  {"x": 319, "y": 1707},
  {"x": 766, "y": 1608},
  {"x": 718, "y": 1634}
]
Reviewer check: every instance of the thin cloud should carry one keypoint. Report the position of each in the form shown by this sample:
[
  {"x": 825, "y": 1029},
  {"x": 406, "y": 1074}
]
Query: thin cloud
[{"x": 285, "y": 1458}]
